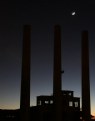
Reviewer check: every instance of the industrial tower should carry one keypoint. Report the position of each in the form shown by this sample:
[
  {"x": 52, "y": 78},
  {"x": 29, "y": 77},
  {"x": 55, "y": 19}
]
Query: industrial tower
[
  {"x": 85, "y": 78},
  {"x": 25, "y": 77}
]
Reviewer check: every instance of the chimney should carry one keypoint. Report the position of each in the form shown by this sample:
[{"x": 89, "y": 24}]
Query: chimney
[
  {"x": 85, "y": 78},
  {"x": 25, "y": 77},
  {"x": 57, "y": 74}
]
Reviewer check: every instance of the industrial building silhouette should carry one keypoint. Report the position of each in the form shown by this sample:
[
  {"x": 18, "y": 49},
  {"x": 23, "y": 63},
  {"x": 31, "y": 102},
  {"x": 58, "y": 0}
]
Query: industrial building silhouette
[
  {"x": 70, "y": 107},
  {"x": 62, "y": 105}
]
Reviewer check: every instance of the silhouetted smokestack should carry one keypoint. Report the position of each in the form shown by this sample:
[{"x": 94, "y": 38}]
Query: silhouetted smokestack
[
  {"x": 25, "y": 78},
  {"x": 57, "y": 73},
  {"x": 57, "y": 60},
  {"x": 85, "y": 77}
]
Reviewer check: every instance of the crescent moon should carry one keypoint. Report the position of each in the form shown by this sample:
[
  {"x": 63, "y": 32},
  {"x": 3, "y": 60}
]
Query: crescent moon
[{"x": 73, "y": 13}]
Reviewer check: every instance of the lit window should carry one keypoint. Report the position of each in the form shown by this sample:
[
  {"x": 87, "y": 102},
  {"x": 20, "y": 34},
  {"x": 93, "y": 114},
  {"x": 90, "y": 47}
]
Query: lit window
[
  {"x": 46, "y": 102},
  {"x": 70, "y": 103},
  {"x": 76, "y": 104},
  {"x": 51, "y": 102},
  {"x": 70, "y": 94}
]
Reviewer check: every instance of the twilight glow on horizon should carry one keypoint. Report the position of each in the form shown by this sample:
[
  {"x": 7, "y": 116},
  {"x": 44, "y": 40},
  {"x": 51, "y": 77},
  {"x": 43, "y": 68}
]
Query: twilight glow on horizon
[{"x": 42, "y": 16}]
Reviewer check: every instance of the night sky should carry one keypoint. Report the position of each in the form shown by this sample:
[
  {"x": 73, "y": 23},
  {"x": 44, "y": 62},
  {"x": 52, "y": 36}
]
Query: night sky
[{"x": 42, "y": 15}]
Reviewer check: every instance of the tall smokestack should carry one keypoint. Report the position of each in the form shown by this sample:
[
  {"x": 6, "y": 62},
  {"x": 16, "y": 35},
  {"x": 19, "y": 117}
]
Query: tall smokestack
[
  {"x": 57, "y": 73},
  {"x": 25, "y": 78},
  {"x": 85, "y": 77}
]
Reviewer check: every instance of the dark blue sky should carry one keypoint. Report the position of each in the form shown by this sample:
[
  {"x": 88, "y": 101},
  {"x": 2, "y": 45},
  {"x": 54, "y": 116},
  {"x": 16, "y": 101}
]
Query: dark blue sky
[{"x": 43, "y": 15}]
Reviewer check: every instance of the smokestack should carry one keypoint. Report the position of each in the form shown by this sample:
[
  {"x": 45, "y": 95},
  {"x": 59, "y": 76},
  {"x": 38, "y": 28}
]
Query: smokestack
[
  {"x": 25, "y": 77},
  {"x": 85, "y": 78},
  {"x": 57, "y": 74}
]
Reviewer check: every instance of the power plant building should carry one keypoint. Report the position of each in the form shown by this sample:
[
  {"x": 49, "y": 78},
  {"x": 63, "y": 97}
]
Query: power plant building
[
  {"x": 61, "y": 105},
  {"x": 70, "y": 107}
]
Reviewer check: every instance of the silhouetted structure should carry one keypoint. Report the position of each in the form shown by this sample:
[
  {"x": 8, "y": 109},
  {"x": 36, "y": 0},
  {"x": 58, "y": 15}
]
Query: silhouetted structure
[
  {"x": 85, "y": 78},
  {"x": 9, "y": 115},
  {"x": 44, "y": 111},
  {"x": 57, "y": 74},
  {"x": 25, "y": 78},
  {"x": 62, "y": 105},
  {"x": 70, "y": 107}
]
